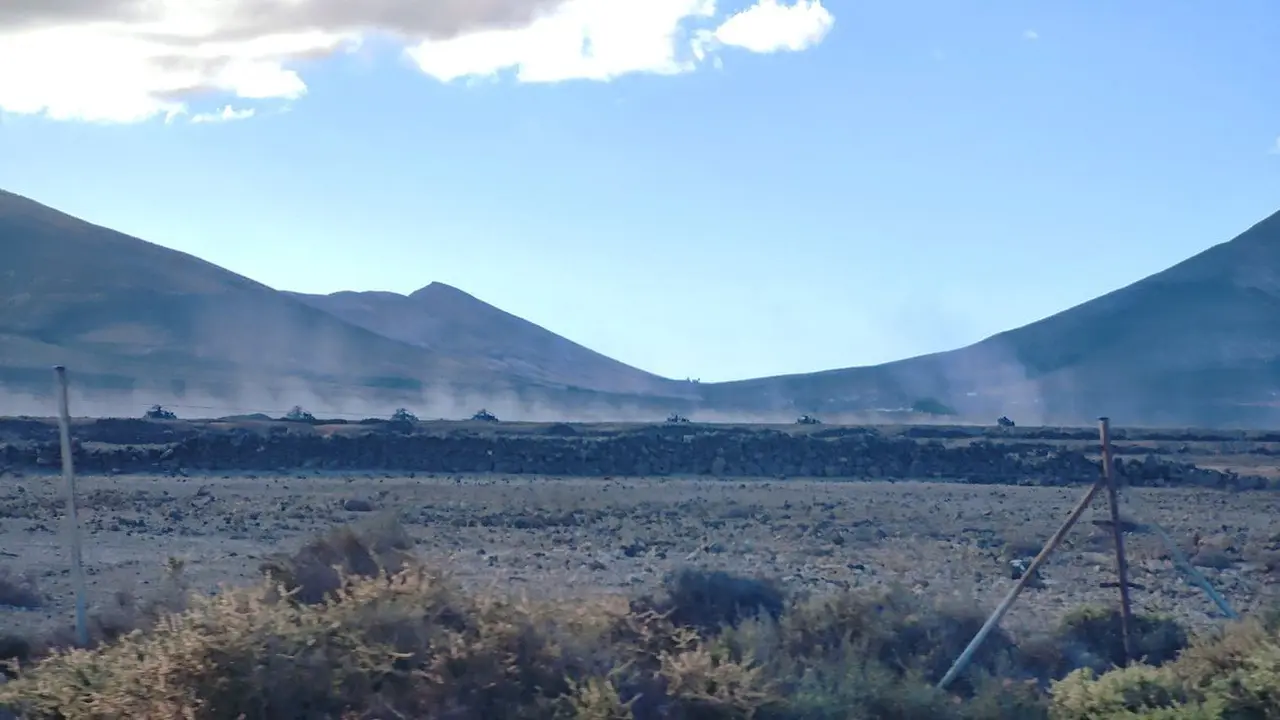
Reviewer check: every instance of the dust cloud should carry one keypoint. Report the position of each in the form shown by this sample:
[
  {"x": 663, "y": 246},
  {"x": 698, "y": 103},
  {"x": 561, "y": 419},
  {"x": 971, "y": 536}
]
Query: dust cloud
[
  {"x": 243, "y": 348},
  {"x": 439, "y": 401}
]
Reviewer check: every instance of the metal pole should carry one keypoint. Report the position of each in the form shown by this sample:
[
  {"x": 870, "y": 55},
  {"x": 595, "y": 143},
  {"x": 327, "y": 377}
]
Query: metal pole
[
  {"x": 1117, "y": 532},
  {"x": 1027, "y": 575},
  {"x": 72, "y": 521},
  {"x": 1195, "y": 576}
]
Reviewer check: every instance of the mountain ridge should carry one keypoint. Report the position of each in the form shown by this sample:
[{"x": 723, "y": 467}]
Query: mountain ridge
[
  {"x": 1180, "y": 329},
  {"x": 1197, "y": 343},
  {"x": 102, "y": 300},
  {"x": 440, "y": 315}
]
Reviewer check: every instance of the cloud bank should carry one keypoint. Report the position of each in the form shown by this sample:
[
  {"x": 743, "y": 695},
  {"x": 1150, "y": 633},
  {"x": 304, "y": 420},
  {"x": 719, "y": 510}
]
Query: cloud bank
[{"x": 133, "y": 60}]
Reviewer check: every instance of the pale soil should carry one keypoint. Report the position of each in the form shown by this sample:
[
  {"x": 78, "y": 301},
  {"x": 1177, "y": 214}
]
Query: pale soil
[{"x": 574, "y": 537}]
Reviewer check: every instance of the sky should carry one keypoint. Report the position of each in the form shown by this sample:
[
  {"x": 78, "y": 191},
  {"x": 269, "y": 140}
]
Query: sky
[{"x": 701, "y": 188}]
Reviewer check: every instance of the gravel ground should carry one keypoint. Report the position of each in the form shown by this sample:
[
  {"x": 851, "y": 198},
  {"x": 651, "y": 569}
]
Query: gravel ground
[{"x": 575, "y": 537}]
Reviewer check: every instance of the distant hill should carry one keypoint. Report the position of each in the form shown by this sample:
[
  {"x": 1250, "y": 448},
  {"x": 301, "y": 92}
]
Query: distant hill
[
  {"x": 1198, "y": 343},
  {"x": 131, "y": 317},
  {"x": 447, "y": 319},
  {"x": 127, "y": 314}
]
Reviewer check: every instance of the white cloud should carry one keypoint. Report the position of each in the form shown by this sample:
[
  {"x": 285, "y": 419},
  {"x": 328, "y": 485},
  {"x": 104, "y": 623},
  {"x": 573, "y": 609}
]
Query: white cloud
[
  {"x": 582, "y": 39},
  {"x": 603, "y": 39},
  {"x": 1030, "y": 35},
  {"x": 226, "y": 114},
  {"x": 1275, "y": 147},
  {"x": 132, "y": 60},
  {"x": 769, "y": 26},
  {"x": 117, "y": 73}
]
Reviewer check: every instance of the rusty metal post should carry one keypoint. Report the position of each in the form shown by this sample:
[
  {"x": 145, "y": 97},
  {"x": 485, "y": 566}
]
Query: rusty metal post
[
  {"x": 1027, "y": 575},
  {"x": 1117, "y": 532}
]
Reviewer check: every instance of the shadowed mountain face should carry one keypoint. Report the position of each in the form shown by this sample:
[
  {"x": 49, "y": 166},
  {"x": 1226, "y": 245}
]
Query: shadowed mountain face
[
  {"x": 124, "y": 313},
  {"x": 127, "y": 316},
  {"x": 444, "y": 318},
  {"x": 1197, "y": 344}
]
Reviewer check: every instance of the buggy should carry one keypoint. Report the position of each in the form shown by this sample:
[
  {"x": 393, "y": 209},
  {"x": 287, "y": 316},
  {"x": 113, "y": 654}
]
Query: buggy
[{"x": 158, "y": 412}]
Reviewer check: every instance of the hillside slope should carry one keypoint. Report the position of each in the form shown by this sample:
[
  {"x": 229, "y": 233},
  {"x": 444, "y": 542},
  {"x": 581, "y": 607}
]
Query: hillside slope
[
  {"x": 126, "y": 313},
  {"x": 1198, "y": 343},
  {"x": 444, "y": 318}
]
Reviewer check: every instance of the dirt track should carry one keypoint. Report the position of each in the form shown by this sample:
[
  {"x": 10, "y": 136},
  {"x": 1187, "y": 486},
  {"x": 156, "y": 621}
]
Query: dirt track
[{"x": 579, "y": 536}]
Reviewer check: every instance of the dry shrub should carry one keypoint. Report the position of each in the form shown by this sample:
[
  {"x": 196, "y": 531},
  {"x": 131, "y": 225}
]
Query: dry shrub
[
  {"x": 1232, "y": 674},
  {"x": 408, "y": 645},
  {"x": 1155, "y": 639},
  {"x": 879, "y": 655},
  {"x": 1091, "y": 637},
  {"x": 371, "y": 641},
  {"x": 240, "y": 652},
  {"x": 363, "y": 550},
  {"x": 123, "y": 612},
  {"x": 900, "y": 630},
  {"x": 711, "y": 599},
  {"x": 404, "y": 645},
  {"x": 15, "y": 649},
  {"x": 19, "y": 591}
]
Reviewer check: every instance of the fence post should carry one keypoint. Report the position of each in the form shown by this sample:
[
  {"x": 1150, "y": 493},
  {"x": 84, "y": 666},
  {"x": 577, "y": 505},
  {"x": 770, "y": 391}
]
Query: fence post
[
  {"x": 72, "y": 521},
  {"x": 1027, "y": 574},
  {"x": 1117, "y": 532}
]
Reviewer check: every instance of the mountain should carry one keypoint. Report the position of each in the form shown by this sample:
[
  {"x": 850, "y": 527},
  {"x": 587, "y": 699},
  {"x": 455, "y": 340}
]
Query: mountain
[
  {"x": 442, "y": 317},
  {"x": 126, "y": 314},
  {"x": 135, "y": 319},
  {"x": 1198, "y": 343}
]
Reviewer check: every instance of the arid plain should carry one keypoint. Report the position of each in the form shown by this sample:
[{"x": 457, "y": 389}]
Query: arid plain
[{"x": 149, "y": 535}]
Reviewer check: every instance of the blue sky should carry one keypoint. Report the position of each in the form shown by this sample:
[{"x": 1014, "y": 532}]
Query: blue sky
[{"x": 913, "y": 177}]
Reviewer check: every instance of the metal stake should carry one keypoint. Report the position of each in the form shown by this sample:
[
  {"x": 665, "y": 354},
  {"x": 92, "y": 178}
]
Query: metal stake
[
  {"x": 1027, "y": 575},
  {"x": 72, "y": 521}
]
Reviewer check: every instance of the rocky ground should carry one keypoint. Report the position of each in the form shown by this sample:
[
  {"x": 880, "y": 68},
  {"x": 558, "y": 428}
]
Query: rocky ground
[
  {"x": 571, "y": 509},
  {"x": 145, "y": 534},
  {"x": 1008, "y": 456}
]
